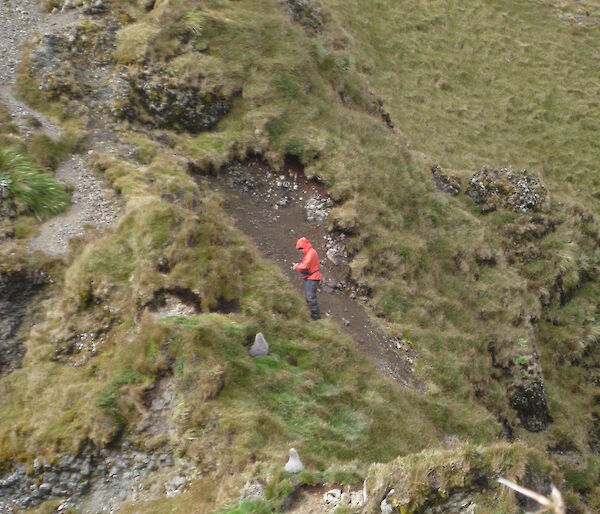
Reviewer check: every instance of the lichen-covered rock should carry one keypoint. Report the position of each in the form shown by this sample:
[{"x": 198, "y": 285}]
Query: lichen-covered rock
[
  {"x": 528, "y": 398},
  {"x": 492, "y": 188},
  {"x": 305, "y": 13},
  {"x": 157, "y": 98},
  {"x": 445, "y": 183}
]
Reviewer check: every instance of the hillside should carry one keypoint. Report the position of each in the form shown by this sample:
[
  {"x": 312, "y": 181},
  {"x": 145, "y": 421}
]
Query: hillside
[{"x": 158, "y": 161}]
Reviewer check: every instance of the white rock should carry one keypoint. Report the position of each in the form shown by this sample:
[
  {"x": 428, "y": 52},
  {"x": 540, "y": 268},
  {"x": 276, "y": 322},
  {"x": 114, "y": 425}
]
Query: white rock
[
  {"x": 294, "y": 464},
  {"x": 260, "y": 346}
]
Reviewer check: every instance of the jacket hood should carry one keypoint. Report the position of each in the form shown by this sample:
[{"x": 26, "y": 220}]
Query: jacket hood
[{"x": 303, "y": 244}]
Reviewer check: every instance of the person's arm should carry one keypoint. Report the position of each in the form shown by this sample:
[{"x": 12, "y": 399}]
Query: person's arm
[{"x": 303, "y": 266}]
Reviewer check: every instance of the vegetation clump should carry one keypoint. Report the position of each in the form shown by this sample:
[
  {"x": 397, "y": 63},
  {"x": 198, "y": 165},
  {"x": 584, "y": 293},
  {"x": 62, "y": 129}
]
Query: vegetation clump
[{"x": 28, "y": 187}]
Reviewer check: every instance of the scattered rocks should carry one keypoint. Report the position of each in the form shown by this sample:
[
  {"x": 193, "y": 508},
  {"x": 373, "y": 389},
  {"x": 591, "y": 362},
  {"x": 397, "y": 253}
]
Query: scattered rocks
[
  {"x": 445, "y": 183},
  {"x": 336, "y": 498},
  {"x": 520, "y": 191},
  {"x": 336, "y": 251},
  {"x": 155, "y": 97},
  {"x": 279, "y": 190},
  {"x": 317, "y": 208},
  {"x": 91, "y": 205},
  {"x": 294, "y": 464},
  {"x": 253, "y": 490},
  {"x": 260, "y": 348}
]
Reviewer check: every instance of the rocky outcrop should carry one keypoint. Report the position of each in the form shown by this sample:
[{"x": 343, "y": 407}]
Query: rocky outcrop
[
  {"x": 62, "y": 64},
  {"x": 17, "y": 290},
  {"x": 492, "y": 188},
  {"x": 156, "y": 98},
  {"x": 445, "y": 183},
  {"x": 95, "y": 480},
  {"x": 305, "y": 13}
]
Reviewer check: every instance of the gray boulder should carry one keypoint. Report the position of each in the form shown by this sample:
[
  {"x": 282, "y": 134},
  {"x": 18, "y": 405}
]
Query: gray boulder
[{"x": 260, "y": 347}]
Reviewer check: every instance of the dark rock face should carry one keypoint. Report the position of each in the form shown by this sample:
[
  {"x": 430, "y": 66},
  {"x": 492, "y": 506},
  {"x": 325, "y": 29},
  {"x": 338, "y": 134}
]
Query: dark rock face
[
  {"x": 16, "y": 292},
  {"x": 305, "y": 13},
  {"x": 529, "y": 400},
  {"x": 102, "y": 476},
  {"x": 492, "y": 188},
  {"x": 154, "y": 97},
  {"x": 445, "y": 183}
]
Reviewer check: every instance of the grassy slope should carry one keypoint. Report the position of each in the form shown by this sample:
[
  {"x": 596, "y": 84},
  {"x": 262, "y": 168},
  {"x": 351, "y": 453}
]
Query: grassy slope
[{"x": 492, "y": 106}]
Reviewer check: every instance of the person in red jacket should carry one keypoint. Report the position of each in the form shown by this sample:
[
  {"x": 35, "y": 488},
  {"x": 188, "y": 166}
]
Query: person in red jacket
[{"x": 309, "y": 271}]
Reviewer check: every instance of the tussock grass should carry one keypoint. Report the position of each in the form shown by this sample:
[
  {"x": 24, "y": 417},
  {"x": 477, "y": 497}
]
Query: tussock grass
[{"x": 31, "y": 188}]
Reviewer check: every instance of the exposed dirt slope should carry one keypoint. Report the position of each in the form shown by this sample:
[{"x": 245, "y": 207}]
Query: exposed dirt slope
[{"x": 274, "y": 208}]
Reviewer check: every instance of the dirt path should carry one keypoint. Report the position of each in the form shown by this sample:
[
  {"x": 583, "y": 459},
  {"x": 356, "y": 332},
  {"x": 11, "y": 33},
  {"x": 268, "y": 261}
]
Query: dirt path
[
  {"x": 91, "y": 205},
  {"x": 271, "y": 208}
]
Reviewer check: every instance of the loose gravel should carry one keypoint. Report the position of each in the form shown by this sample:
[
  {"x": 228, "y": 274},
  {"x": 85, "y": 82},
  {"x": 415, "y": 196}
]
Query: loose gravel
[{"x": 19, "y": 19}]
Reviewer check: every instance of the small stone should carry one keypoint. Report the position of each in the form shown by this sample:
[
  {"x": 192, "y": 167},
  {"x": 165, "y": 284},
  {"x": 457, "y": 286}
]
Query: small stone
[
  {"x": 294, "y": 464},
  {"x": 260, "y": 346}
]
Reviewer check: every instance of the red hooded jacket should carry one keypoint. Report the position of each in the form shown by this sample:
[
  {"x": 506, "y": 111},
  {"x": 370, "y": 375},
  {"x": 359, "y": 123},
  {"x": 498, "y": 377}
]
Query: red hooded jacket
[{"x": 309, "y": 267}]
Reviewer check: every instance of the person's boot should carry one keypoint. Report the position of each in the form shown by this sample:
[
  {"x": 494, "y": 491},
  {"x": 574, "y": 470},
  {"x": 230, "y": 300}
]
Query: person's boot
[{"x": 315, "y": 315}]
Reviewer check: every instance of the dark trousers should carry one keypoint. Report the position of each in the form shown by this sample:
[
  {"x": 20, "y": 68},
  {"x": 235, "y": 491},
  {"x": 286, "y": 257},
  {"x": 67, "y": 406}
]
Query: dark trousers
[{"x": 310, "y": 289}]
